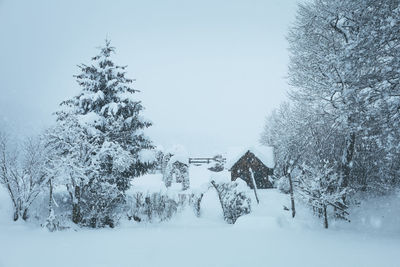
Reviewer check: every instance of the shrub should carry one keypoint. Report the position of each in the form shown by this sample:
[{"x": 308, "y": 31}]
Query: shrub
[{"x": 234, "y": 200}]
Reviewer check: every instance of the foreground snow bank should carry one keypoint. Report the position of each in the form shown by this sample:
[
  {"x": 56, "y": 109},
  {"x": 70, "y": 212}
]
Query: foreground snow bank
[
  {"x": 375, "y": 215},
  {"x": 253, "y": 242}
]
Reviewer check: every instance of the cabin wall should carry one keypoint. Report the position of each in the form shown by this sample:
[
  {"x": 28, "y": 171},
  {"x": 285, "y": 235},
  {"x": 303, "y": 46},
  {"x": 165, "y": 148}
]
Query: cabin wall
[{"x": 249, "y": 161}]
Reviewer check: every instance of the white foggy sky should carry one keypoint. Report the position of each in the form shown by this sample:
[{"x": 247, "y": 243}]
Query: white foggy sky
[{"x": 209, "y": 71}]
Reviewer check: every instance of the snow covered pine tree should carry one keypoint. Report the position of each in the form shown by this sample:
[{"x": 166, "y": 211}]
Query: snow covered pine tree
[{"x": 108, "y": 115}]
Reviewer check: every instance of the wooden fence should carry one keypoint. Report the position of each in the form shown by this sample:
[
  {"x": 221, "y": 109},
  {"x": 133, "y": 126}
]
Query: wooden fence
[{"x": 199, "y": 161}]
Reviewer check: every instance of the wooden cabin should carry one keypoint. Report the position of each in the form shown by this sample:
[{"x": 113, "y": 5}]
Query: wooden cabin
[{"x": 258, "y": 161}]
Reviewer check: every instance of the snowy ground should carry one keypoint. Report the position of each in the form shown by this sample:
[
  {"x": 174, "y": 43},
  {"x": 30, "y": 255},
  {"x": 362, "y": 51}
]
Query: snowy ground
[{"x": 266, "y": 237}]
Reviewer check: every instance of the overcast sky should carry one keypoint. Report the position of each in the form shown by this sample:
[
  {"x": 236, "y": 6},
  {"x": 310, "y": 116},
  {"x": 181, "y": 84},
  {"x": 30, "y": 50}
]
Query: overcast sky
[{"x": 209, "y": 71}]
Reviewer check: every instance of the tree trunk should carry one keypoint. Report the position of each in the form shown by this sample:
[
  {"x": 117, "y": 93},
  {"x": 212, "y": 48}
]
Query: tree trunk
[
  {"x": 76, "y": 213},
  {"x": 325, "y": 217},
  {"x": 76, "y": 209},
  {"x": 291, "y": 195},
  {"x": 50, "y": 196},
  {"x": 16, "y": 215},
  {"x": 51, "y": 223},
  {"x": 198, "y": 205},
  {"x": 18, "y": 211},
  {"x": 25, "y": 214},
  {"x": 347, "y": 158}
]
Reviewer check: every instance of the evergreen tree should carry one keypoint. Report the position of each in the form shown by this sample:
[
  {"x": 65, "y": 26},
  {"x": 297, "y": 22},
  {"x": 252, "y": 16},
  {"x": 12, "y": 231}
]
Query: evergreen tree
[
  {"x": 105, "y": 121},
  {"x": 108, "y": 103}
]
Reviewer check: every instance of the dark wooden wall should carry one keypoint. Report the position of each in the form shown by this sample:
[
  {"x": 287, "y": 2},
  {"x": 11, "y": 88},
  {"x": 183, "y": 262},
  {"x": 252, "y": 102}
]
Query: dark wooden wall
[{"x": 249, "y": 161}]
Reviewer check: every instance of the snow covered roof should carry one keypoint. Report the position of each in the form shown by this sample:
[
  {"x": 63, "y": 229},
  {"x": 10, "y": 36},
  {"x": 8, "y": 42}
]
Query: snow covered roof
[
  {"x": 179, "y": 154},
  {"x": 263, "y": 153}
]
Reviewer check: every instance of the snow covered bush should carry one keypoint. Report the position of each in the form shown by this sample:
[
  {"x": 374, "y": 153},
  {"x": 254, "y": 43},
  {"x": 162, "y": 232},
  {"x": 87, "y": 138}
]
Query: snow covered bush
[
  {"x": 282, "y": 184},
  {"x": 195, "y": 202},
  {"x": 218, "y": 164},
  {"x": 177, "y": 172},
  {"x": 319, "y": 188},
  {"x": 51, "y": 222},
  {"x": 153, "y": 207},
  {"x": 159, "y": 161},
  {"x": 102, "y": 205},
  {"x": 53, "y": 209},
  {"x": 233, "y": 198},
  {"x": 176, "y": 168}
]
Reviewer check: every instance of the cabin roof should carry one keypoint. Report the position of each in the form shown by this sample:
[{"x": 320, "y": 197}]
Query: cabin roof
[{"x": 263, "y": 153}]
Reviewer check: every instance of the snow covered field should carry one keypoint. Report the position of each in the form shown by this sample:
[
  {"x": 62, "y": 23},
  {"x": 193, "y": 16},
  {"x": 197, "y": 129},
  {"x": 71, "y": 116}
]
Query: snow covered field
[
  {"x": 252, "y": 242},
  {"x": 266, "y": 237}
]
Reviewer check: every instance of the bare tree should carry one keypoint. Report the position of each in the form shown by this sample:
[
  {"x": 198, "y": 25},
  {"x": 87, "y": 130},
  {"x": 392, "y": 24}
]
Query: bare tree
[
  {"x": 22, "y": 173},
  {"x": 349, "y": 77}
]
